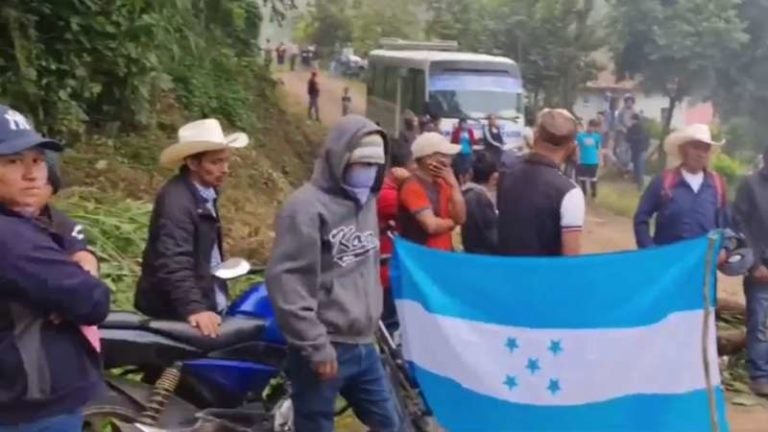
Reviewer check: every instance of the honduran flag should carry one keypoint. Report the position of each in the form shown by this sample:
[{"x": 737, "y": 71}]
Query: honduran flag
[{"x": 616, "y": 342}]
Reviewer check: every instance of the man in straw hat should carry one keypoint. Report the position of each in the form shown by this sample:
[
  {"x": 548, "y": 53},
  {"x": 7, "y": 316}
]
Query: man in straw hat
[
  {"x": 323, "y": 280},
  {"x": 185, "y": 242},
  {"x": 688, "y": 199},
  {"x": 750, "y": 212},
  {"x": 541, "y": 212},
  {"x": 49, "y": 368}
]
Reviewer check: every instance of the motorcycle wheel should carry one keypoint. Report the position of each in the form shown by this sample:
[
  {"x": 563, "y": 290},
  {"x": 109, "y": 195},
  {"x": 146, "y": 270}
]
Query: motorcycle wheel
[{"x": 105, "y": 418}]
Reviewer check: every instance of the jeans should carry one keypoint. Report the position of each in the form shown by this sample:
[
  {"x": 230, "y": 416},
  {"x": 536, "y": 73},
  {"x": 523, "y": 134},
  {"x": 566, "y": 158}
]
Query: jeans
[
  {"x": 757, "y": 331},
  {"x": 62, "y": 423},
  {"x": 638, "y": 169},
  {"x": 314, "y": 108},
  {"x": 361, "y": 381}
]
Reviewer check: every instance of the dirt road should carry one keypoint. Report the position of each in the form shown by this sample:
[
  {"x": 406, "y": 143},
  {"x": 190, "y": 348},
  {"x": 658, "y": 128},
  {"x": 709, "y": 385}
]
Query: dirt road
[{"x": 604, "y": 231}]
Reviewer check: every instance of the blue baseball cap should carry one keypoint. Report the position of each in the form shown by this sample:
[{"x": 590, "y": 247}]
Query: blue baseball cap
[{"x": 17, "y": 134}]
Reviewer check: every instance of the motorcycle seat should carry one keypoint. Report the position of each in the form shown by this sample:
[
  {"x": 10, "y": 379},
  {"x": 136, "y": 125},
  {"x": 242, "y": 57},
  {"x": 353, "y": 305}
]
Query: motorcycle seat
[
  {"x": 233, "y": 331},
  {"x": 124, "y": 320}
]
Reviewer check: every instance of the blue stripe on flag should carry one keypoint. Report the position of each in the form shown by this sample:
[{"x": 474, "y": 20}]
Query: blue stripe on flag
[
  {"x": 460, "y": 410},
  {"x": 617, "y": 290}
]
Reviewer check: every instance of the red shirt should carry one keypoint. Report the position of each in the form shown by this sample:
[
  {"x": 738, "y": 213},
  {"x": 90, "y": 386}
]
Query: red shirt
[
  {"x": 387, "y": 206},
  {"x": 417, "y": 195}
]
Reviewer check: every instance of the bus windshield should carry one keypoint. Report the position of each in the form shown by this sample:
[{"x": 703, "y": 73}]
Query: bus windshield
[{"x": 475, "y": 94}]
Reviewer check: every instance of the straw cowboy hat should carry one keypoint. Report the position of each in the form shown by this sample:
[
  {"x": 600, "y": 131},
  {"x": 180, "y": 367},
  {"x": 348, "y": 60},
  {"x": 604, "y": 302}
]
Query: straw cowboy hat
[
  {"x": 199, "y": 137},
  {"x": 692, "y": 133}
]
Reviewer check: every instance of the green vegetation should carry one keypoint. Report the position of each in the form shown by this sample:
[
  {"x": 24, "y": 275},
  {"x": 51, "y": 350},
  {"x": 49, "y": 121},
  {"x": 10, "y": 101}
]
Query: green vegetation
[
  {"x": 674, "y": 48},
  {"x": 116, "y": 230},
  {"x": 552, "y": 39},
  {"x": 360, "y": 23},
  {"x": 114, "y": 80},
  {"x": 620, "y": 198}
]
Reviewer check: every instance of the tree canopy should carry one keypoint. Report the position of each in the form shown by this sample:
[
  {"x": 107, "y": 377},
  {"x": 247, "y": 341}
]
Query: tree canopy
[
  {"x": 73, "y": 64},
  {"x": 675, "y": 47}
]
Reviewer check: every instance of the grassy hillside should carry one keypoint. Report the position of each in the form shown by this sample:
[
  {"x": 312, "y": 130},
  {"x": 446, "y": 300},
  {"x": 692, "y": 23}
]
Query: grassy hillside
[{"x": 111, "y": 186}]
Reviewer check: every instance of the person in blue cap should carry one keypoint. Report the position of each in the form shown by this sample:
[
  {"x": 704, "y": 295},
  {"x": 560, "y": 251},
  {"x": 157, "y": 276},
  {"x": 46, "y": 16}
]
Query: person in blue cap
[{"x": 50, "y": 366}]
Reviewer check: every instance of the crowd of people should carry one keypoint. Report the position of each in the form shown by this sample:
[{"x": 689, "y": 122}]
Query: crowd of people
[
  {"x": 288, "y": 54},
  {"x": 325, "y": 275}
]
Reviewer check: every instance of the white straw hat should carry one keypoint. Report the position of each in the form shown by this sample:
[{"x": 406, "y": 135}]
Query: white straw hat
[
  {"x": 692, "y": 133},
  {"x": 199, "y": 137}
]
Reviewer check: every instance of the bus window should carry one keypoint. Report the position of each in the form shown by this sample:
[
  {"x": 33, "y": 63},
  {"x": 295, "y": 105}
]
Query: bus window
[
  {"x": 416, "y": 77},
  {"x": 406, "y": 92},
  {"x": 379, "y": 82},
  {"x": 371, "y": 81},
  {"x": 390, "y": 86},
  {"x": 475, "y": 94}
]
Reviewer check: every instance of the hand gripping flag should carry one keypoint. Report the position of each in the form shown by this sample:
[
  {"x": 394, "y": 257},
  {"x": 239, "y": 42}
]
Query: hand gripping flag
[{"x": 620, "y": 342}]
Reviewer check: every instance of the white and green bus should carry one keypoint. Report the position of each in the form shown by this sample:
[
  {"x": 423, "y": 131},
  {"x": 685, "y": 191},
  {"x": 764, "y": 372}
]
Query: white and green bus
[{"x": 434, "y": 79}]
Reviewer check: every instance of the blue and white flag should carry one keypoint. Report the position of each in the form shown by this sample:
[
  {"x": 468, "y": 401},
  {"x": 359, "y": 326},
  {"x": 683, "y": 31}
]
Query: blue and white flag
[{"x": 588, "y": 344}]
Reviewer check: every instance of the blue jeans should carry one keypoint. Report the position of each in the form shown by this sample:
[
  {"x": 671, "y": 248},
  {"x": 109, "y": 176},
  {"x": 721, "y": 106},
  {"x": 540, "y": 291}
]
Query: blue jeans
[
  {"x": 62, "y": 423},
  {"x": 361, "y": 381},
  {"x": 757, "y": 331}
]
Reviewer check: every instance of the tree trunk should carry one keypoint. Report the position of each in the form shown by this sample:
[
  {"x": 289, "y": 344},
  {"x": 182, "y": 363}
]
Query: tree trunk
[{"x": 666, "y": 128}]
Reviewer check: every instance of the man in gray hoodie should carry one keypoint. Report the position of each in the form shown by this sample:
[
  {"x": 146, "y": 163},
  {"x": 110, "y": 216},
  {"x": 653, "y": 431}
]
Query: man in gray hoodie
[{"x": 323, "y": 280}]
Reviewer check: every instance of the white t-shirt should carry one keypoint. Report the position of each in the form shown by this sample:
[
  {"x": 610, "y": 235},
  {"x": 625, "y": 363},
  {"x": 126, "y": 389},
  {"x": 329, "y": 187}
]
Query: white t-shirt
[
  {"x": 695, "y": 180},
  {"x": 572, "y": 210}
]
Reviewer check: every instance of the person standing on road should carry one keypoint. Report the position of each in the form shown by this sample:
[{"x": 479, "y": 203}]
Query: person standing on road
[
  {"x": 346, "y": 102},
  {"x": 50, "y": 365},
  {"x": 268, "y": 51},
  {"x": 639, "y": 141},
  {"x": 185, "y": 241},
  {"x": 479, "y": 234},
  {"x": 464, "y": 136},
  {"x": 688, "y": 200},
  {"x": 431, "y": 202},
  {"x": 293, "y": 55},
  {"x": 493, "y": 139},
  {"x": 313, "y": 91},
  {"x": 541, "y": 212},
  {"x": 323, "y": 281},
  {"x": 750, "y": 213},
  {"x": 411, "y": 129},
  {"x": 590, "y": 146}
]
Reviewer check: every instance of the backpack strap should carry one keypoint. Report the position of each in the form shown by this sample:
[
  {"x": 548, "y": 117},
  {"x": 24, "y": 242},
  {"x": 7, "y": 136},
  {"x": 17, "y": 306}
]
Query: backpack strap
[{"x": 669, "y": 179}]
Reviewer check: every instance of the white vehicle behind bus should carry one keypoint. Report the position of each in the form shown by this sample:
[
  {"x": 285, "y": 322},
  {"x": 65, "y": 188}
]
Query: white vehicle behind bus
[{"x": 432, "y": 78}]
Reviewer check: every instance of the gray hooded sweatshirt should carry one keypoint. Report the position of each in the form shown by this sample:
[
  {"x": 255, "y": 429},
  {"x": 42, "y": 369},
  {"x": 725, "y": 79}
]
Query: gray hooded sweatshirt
[{"x": 323, "y": 277}]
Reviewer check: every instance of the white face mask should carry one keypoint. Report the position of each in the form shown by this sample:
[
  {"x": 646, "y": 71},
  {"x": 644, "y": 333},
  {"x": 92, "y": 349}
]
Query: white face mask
[{"x": 359, "y": 179}]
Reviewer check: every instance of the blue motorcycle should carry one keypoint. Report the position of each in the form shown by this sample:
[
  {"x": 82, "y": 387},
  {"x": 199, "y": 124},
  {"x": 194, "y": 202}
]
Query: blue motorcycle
[{"x": 165, "y": 376}]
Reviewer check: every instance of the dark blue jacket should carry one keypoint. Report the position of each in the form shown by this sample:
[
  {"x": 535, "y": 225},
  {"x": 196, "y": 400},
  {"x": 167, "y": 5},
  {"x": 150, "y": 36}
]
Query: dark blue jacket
[
  {"x": 46, "y": 368},
  {"x": 681, "y": 215},
  {"x": 750, "y": 213}
]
